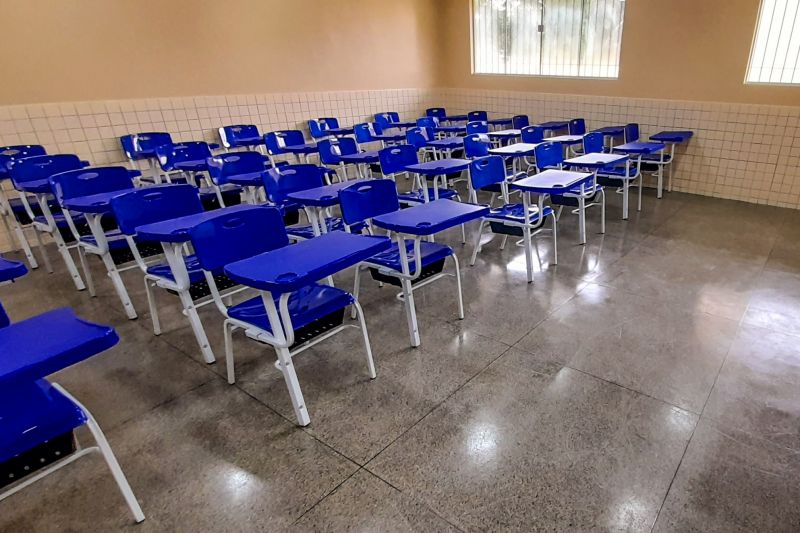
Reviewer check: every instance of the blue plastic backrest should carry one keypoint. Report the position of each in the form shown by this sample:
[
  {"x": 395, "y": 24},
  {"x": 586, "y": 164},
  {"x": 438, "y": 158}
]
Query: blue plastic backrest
[
  {"x": 169, "y": 154},
  {"x": 549, "y": 155},
  {"x": 141, "y": 145},
  {"x": 89, "y": 181},
  {"x": 476, "y": 145},
  {"x": 487, "y": 171},
  {"x": 577, "y": 126},
  {"x": 233, "y": 236},
  {"x": 154, "y": 204},
  {"x": 18, "y": 151},
  {"x": 477, "y": 116},
  {"x": 394, "y": 159},
  {"x": 279, "y": 182},
  {"x": 331, "y": 149},
  {"x": 532, "y": 134},
  {"x": 519, "y": 121},
  {"x": 593, "y": 143},
  {"x": 234, "y": 164},
  {"x": 237, "y": 132},
  {"x": 367, "y": 199},
  {"x": 438, "y": 112},
  {"x": 418, "y": 137},
  {"x": 478, "y": 126},
  {"x": 364, "y": 132},
  {"x": 42, "y": 167},
  {"x": 328, "y": 123},
  {"x": 386, "y": 119},
  {"x": 427, "y": 122},
  {"x": 631, "y": 133},
  {"x": 276, "y": 140}
]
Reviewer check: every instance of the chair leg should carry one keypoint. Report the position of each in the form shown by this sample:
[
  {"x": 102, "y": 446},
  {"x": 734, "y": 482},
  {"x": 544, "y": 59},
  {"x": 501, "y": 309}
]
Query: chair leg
[
  {"x": 68, "y": 261},
  {"x": 526, "y": 236},
  {"x": 602, "y": 211},
  {"x": 555, "y": 240},
  {"x": 463, "y": 234},
  {"x": 356, "y": 289},
  {"x": 227, "y": 330},
  {"x": 476, "y": 248},
  {"x": 458, "y": 287},
  {"x": 23, "y": 241},
  {"x": 625, "y": 195},
  {"x": 503, "y": 242},
  {"x": 296, "y": 395},
  {"x": 86, "y": 272},
  {"x": 582, "y": 220},
  {"x": 111, "y": 460},
  {"x": 197, "y": 327},
  {"x": 641, "y": 180},
  {"x": 45, "y": 256},
  {"x": 411, "y": 312},
  {"x": 151, "y": 304},
  {"x": 367, "y": 346},
  {"x": 119, "y": 286}
]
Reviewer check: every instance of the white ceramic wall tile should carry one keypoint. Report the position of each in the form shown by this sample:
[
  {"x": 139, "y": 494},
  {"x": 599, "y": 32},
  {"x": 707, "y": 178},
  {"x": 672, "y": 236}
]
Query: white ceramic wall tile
[
  {"x": 739, "y": 151},
  {"x": 92, "y": 129}
]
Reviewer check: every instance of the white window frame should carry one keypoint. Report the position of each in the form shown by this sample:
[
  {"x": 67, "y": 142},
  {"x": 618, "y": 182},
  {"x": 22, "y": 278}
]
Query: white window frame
[
  {"x": 753, "y": 50},
  {"x": 551, "y": 76}
]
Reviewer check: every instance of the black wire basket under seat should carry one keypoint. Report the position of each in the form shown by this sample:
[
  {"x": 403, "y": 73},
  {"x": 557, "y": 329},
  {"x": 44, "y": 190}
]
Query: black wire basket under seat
[
  {"x": 427, "y": 271},
  {"x": 36, "y": 458}
]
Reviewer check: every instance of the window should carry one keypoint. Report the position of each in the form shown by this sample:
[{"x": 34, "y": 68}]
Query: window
[
  {"x": 547, "y": 37},
  {"x": 775, "y": 56}
]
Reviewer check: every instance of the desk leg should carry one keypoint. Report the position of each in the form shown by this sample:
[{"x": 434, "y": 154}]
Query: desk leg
[
  {"x": 582, "y": 217},
  {"x": 408, "y": 293},
  {"x": 8, "y": 213},
  {"x": 526, "y": 234},
  {"x": 626, "y": 185},
  {"x": 62, "y": 246}
]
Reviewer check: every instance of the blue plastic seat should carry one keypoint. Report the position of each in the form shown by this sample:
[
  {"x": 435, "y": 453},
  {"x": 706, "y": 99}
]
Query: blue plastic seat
[
  {"x": 325, "y": 127},
  {"x": 47, "y": 414},
  {"x": 516, "y": 213},
  {"x": 431, "y": 253},
  {"x": 11, "y": 270},
  {"x": 192, "y": 156},
  {"x": 17, "y": 151},
  {"x": 162, "y": 270},
  {"x": 240, "y": 136}
]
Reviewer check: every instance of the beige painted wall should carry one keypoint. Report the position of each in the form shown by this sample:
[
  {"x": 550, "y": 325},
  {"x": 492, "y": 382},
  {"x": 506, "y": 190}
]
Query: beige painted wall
[
  {"x": 68, "y": 50},
  {"x": 671, "y": 49}
]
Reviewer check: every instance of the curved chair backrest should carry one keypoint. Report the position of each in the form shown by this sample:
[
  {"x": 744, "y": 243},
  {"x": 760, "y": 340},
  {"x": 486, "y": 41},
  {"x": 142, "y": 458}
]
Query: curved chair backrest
[
  {"x": 631, "y": 132},
  {"x": 477, "y": 126},
  {"x": 365, "y": 132},
  {"x": 282, "y": 181},
  {"x": 17, "y": 151},
  {"x": 419, "y": 137},
  {"x": 89, "y": 181},
  {"x": 519, "y": 121},
  {"x": 487, "y": 171},
  {"x": 549, "y": 155},
  {"x": 427, "y": 122},
  {"x": 438, "y": 112},
  {"x": 235, "y": 234},
  {"x": 577, "y": 126},
  {"x": 477, "y": 115},
  {"x": 221, "y": 167},
  {"x": 394, "y": 159},
  {"x": 169, "y": 154},
  {"x": 330, "y": 150},
  {"x": 320, "y": 126},
  {"x": 367, "y": 199},
  {"x": 154, "y": 204},
  {"x": 232, "y": 136},
  {"x": 387, "y": 119},
  {"x": 532, "y": 134},
  {"x": 277, "y": 140},
  {"x": 143, "y": 145},
  {"x": 476, "y": 145},
  {"x": 41, "y": 167},
  {"x": 593, "y": 143}
]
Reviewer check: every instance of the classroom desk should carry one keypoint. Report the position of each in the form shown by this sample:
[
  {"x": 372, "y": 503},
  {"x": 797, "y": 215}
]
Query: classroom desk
[
  {"x": 424, "y": 220},
  {"x": 338, "y": 132},
  {"x": 67, "y": 340},
  {"x": 361, "y": 159},
  {"x": 93, "y": 208},
  {"x": 284, "y": 270},
  {"x": 515, "y": 151},
  {"x": 671, "y": 139},
  {"x": 505, "y": 135},
  {"x": 555, "y": 182},
  {"x": 599, "y": 162},
  {"x": 640, "y": 150},
  {"x": 566, "y": 139},
  {"x": 610, "y": 133},
  {"x": 505, "y": 121},
  {"x": 11, "y": 270},
  {"x": 316, "y": 200},
  {"x": 436, "y": 169},
  {"x": 443, "y": 148}
]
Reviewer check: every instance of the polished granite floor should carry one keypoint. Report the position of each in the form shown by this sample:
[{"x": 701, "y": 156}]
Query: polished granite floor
[{"x": 649, "y": 382}]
